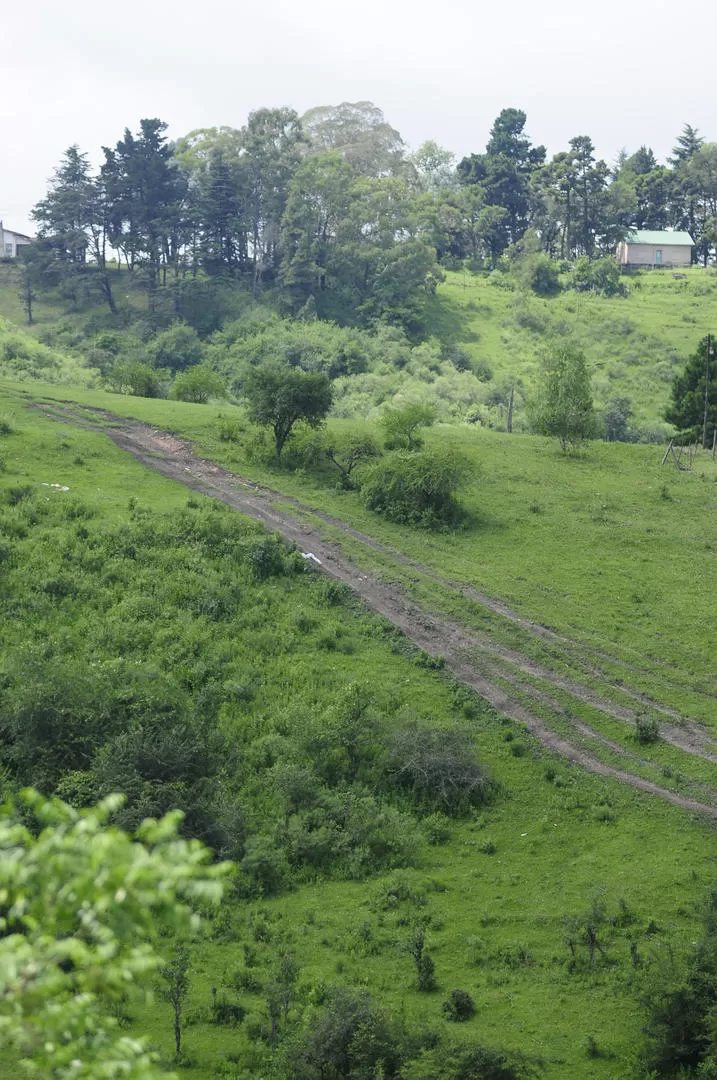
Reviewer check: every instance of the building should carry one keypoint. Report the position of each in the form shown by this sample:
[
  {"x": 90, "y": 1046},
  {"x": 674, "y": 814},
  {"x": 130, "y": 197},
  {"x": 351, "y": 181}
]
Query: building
[
  {"x": 11, "y": 242},
  {"x": 649, "y": 247}
]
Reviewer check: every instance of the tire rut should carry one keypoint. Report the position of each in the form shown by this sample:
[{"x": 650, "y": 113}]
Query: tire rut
[{"x": 462, "y": 648}]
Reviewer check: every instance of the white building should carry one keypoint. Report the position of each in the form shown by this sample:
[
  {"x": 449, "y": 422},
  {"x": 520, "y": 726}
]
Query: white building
[
  {"x": 11, "y": 241},
  {"x": 653, "y": 248}
]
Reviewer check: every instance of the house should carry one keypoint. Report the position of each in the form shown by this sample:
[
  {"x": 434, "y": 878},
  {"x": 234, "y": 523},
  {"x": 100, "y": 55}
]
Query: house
[
  {"x": 649, "y": 247},
  {"x": 11, "y": 242}
]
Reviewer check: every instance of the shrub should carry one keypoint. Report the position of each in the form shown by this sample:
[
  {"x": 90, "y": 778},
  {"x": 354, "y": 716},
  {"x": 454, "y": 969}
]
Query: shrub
[
  {"x": 401, "y": 426},
  {"x": 177, "y": 348},
  {"x": 415, "y": 487},
  {"x": 197, "y": 384},
  {"x": 135, "y": 378},
  {"x": 438, "y": 768},
  {"x": 459, "y": 1006},
  {"x": 647, "y": 729},
  {"x": 425, "y": 967}
]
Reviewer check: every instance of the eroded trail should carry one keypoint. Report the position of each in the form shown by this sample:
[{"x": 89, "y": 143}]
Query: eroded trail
[{"x": 514, "y": 684}]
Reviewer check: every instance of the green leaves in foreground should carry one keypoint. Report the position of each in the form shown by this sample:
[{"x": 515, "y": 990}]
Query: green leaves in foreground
[{"x": 80, "y": 906}]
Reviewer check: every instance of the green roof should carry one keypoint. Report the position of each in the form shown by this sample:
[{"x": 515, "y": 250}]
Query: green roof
[{"x": 659, "y": 237}]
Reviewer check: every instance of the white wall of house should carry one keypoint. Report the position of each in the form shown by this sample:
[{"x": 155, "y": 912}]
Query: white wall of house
[
  {"x": 10, "y": 242},
  {"x": 654, "y": 254}
]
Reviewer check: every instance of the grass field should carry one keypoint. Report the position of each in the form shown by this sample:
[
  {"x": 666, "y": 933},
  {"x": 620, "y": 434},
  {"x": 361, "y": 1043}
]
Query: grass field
[
  {"x": 635, "y": 344},
  {"x": 494, "y": 896},
  {"x": 607, "y": 548}
]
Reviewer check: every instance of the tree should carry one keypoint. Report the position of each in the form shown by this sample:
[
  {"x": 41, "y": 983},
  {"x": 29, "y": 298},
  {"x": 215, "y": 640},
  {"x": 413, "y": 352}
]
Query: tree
[
  {"x": 197, "y": 384},
  {"x": 273, "y": 142},
  {"x": 425, "y": 967},
  {"x": 73, "y": 222},
  {"x": 401, "y": 426},
  {"x": 504, "y": 172},
  {"x": 687, "y": 409},
  {"x": 280, "y": 397},
  {"x": 175, "y": 976},
  {"x": 349, "y": 1038},
  {"x": 563, "y": 405},
  {"x": 680, "y": 1029},
  {"x": 73, "y": 937},
  {"x": 359, "y": 132},
  {"x": 348, "y": 451},
  {"x": 178, "y": 347},
  {"x": 616, "y": 418},
  {"x": 145, "y": 198}
]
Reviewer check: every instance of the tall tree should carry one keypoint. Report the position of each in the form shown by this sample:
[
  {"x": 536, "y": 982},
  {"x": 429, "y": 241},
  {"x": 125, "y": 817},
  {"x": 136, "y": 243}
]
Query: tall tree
[
  {"x": 273, "y": 143},
  {"x": 146, "y": 193},
  {"x": 687, "y": 143},
  {"x": 504, "y": 171},
  {"x": 693, "y": 389},
  {"x": 72, "y": 220},
  {"x": 563, "y": 406},
  {"x": 359, "y": 132}
]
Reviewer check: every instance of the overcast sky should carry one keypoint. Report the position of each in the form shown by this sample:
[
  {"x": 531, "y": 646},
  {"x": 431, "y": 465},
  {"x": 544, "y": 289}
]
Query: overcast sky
[{"x": 622, "y": 71}]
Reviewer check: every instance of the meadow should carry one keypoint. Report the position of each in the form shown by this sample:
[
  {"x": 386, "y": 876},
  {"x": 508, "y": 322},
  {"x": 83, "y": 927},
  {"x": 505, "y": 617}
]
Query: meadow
[
  {"x": 137, "y": 612},
  {"x": 635, "y": 344},
  {"x": 570, "y": 541}
]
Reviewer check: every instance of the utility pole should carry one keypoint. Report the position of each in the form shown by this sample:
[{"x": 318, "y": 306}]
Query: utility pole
[{"x": 707, "y": 388}]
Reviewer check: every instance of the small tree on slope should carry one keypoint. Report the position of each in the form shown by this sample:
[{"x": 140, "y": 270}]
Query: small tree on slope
[{"x": 563, "y": 406}]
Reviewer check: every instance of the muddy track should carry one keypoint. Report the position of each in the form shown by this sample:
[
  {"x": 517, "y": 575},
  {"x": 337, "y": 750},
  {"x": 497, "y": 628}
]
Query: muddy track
[{"x": 476, "y": 660}]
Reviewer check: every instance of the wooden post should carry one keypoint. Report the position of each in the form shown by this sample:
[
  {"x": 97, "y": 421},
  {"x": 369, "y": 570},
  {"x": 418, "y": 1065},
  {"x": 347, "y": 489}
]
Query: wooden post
[
  {"x": 714, "y": 443},
  {"x": 707, "y": 389},
  {"x": 509, "y": 422},
  {"x": 667, "y": 452}
]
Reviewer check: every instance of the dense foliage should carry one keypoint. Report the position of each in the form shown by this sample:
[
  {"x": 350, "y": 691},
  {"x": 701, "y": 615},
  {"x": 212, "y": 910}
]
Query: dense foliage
[
  {"x": 137, "y": 658},
  {"x": 81, "y": 907}
]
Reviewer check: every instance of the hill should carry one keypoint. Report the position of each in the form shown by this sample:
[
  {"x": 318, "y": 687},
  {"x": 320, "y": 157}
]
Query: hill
[
  {"x": 487, "y": 333},
  {"x": 587, "y": 605},
  {"x": 635, "y": 344}
]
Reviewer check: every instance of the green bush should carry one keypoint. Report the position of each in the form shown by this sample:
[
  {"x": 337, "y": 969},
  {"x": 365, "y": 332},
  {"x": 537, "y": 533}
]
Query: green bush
[
  {"x": 135, "y": 378},
  {"x": 460, "y": 1006},
  {"x": 438, "y": 768},
  {"x": 415, "y": 487},
  {"x": 197, "y": 384}
]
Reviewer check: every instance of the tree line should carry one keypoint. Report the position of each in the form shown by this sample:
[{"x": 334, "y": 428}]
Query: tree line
[{"x": 332, "y": 214}]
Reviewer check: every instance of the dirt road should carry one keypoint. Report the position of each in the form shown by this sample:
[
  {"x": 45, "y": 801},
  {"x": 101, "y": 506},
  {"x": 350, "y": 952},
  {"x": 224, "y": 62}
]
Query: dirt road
[{"x": 514, "y": 684}]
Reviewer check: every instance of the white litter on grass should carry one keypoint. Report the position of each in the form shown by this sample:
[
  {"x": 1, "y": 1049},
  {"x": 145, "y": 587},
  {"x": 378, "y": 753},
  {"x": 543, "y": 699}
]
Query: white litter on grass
[
  {"x": 59, "y": 487},
  {"x": 310, "y": 555}
]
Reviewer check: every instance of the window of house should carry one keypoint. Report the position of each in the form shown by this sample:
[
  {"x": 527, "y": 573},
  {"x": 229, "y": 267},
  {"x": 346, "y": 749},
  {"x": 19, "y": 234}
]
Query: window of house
[
  {"x": 658, "y": 257},
  {"x": 8, "y": 251}
]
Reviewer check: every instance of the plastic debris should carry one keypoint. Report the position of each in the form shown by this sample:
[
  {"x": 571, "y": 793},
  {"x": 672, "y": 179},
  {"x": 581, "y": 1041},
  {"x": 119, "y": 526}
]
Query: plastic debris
[{"x": 310, "y": 555}]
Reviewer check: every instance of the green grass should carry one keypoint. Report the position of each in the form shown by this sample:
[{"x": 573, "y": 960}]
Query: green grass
[
  {"x": 635, "y": 345},
  {"x": 495, "y": 920},
  {"x": 608, "y": 546}
]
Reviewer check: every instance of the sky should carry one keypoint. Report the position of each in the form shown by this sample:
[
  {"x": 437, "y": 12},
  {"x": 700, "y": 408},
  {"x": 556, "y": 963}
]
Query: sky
[{"x": 624, "y": 72}]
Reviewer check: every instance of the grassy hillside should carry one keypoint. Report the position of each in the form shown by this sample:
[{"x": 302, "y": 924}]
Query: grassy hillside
[
  {"x": 488, "y": 331},
  {"x": 492, "y": 889},
  {"x": 635, "y": 344}
]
